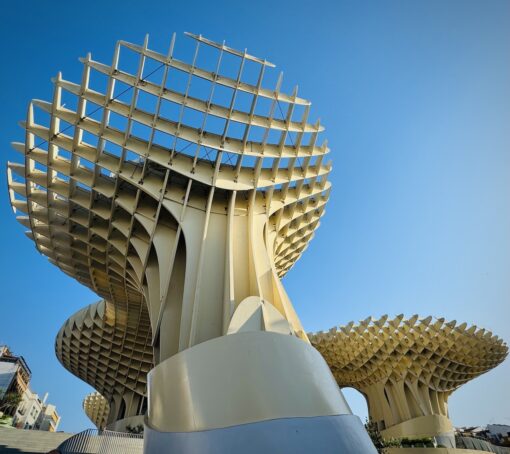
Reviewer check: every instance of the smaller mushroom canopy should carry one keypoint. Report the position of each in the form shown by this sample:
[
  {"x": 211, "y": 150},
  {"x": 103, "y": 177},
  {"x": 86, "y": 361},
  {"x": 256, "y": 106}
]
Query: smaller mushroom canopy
[
  {"x": 443, "y": 355},
  {"x": 96, "y": 408}
]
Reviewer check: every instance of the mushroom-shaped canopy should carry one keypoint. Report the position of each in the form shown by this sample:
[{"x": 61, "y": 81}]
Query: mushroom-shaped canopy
[
  {"x": 443, "y": 355},
  {"x": 112, "y": 355},
  {"x": 96, "y": 408}
]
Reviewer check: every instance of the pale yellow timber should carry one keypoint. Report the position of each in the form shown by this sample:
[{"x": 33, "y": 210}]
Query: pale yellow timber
[
  {"x": 173, "y": 204},
  {"x": 407, "y": 368},
  {"x": 96, "y": 408}
]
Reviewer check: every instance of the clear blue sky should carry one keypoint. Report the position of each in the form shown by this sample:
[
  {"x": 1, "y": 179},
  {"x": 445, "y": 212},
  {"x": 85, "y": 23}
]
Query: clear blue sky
[{"x": 415, "y": 96}]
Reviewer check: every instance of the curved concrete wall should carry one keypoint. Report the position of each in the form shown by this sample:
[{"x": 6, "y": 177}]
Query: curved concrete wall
[{"x": 241, "y": 378}]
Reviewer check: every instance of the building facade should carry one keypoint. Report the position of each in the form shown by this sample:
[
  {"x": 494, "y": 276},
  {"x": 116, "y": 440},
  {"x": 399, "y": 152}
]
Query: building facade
[
  {"x": 28, "y": 411},
  {"x": 34, "y": 413},
  {"x": 48, "y": 419},
  {"x": 14, "y": 376},
  {"x": 14, "y": 380},
  {"x": 31, "y": 412}
]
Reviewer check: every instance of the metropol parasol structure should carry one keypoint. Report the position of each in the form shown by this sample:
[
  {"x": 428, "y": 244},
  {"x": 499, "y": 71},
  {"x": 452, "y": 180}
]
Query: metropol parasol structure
[{"x": 181, "y": 192}]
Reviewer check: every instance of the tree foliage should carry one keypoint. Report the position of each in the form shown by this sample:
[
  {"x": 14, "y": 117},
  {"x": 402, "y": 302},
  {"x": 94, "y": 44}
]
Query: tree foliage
[
  {"x": 379, "y": 442},
  {"x": 9, "y": 402}
]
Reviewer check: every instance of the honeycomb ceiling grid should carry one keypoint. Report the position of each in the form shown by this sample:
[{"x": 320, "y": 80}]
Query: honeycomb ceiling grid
[
  {"x": 99, "y": 186},
  {"x": 95, "y": 360}
]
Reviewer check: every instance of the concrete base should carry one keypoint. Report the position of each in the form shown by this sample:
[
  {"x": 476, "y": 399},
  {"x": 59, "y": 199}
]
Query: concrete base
[
  {"x": 437, "y": 426},
  {"x": 249, "y": 392},
  {"x": 434, "y": 451},
  {"x": 341, "y": 434}
]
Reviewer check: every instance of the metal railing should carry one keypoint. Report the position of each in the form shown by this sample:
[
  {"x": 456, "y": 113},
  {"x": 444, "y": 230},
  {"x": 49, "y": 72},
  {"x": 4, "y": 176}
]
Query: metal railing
[
  {"x": 83, "y": 442},
  {"x": 120, "y": 442},
  {"x": 93, "y": 441},
  {"x": 480, "y": 444}
]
